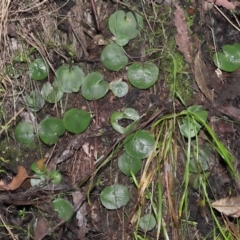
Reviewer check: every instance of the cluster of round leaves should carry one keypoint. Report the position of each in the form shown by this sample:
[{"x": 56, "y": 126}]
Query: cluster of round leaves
[
  {"x": 126, "y": 26},
  {"x": 61, "y": 205},
  {"x": 140, "y": 75},
  {"x": 41, "y": 174},
  {"x": 68, "y": 79},
  {"x": 50, "y": 129},
  {"x": 93, "y": 87},
  {"x": 137, "y": 146}
]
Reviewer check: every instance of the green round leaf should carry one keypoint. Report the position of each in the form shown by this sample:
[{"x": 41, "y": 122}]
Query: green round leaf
[
  {"x": 64, "y": 209},
  {"x": 201, "y": 159},
  {"x": 143, "y": 75},
  {"x": 34, "y": 101},
  {"x": 190, "y": 125},
  {"x": 38, "y": 69},
  {"x": 113, "y": 57},
  {"x": 51, "y": 93},
  {"x": 35, "y": 168},
  {"x": 229, "y": 59},
  {"x": 128, "y": 164},
  {"x": 198, "y": 111},
  {"x": 55, "y": 176},
  {"x": 76, "y": 121},
  {"x": 94, "y": 87},
  {"x": 122, "y": 40},
  {"x": 24, "y": 132},
  {"x": 37, "y": 180},
  {"x": 50, "y": 130},
  {"x": 125, "y": 26},
  {"x": 147, "y": 222},
  {"x": 139, "y": 144},
  {"x": 128, "y": 113},
  {"x": 114, "y": 196},
  {"x": 69, "y": 78},
  {"x": 119, "y": 88}
]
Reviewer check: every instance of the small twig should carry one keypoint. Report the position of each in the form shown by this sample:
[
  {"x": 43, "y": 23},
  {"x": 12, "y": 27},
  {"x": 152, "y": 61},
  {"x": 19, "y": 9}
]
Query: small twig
[
  {"x": 95, "y": 14},
  {"x": 8, "y": 229},
  {"x": 226, "y": 17},
  {"x": 13, "y": 118}
]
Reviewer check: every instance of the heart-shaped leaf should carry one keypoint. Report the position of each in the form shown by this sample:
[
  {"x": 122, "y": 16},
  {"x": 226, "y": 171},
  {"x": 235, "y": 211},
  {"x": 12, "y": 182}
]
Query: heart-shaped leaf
[
  {"x": 147, "y": 222},
  {"x": 114, "y": 196},
  {"x": 64, "y": 209},
  {"x": 119, "y": 87},
  {"x": 50, "y": 129},
  {"x": 55, "y": 176},
  {"x": 190, "y": 125},
  {"x": 69, "y": 78},
  {"x": 229, "y": 59},
  {"x": 35, "y": 101},
  {"x": 128, "y": 164},
  {"x": 76, "y": 121},
  {"x": 94, "y": 87},
  {"x": 38, "y": 69},
  {"x": 143, "y": 75},
  {"x": 139, "y": 144},
  {"x": 24, "y": 132},
  {"x": 125, "y": 26},
  {"x": 51, "y": 93},
  {"x": 128, "y": 113},
  {"x": 113, "y": 57}
]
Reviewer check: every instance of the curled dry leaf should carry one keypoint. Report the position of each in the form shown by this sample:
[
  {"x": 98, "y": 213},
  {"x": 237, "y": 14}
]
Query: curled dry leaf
[
  {"x": 41, "y": 163},
  {"x": 228, "y": 206},
  {"x": 18, "y": 179}
]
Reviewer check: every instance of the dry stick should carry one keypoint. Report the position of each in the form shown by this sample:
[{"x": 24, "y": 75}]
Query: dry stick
[
  {"x": 226, "y": 17},
  {"x": 8, "y": 229},
  {"x": 13, "y": 118},
  {"x": 96, "y": 126},
  {"x": 95, "y": 14},
  {"x": 32, "y": 6}
]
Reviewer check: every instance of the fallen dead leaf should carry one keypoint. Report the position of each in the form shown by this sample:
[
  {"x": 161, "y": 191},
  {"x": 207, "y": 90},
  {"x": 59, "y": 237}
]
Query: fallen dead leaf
[
  {"x": 41, "y": 229},
  {"x": 234, "y": 228},
  {"x": 80, "y": 204},
  {"x": 228, "y": 206},
  {"x": 18, "y": 179},
  {"x": 224, "y": 3},
  {"x": 200, "y": 73},
  {"x": 232, "y": 112},
  {"x": 182, "y": 37}
]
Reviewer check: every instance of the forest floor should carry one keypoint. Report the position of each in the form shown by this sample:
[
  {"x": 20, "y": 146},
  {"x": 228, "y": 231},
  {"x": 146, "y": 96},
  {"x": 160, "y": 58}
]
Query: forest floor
[{"x": 155, "y": 154}]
